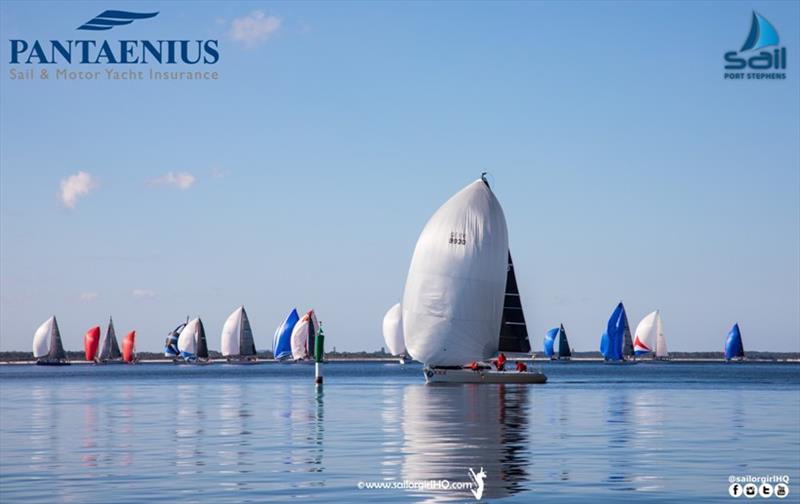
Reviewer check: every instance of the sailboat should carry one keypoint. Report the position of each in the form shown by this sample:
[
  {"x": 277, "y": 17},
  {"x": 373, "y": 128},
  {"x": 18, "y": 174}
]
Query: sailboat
[
  {"x": 649, "y": 337},
  {"x": 393, "y": 332},
  {"x": 461, "y": 302},
  {"x": 564, "y": 352},
  {"x": 615, "y": 344},
  {"x": 734, "y": 349},
  {"x": 192, "y": 343},
  {"x": 282, "y": 340},
  {"x": 129, "y": 348},
  {"x": 47, "y": 347},
  {"x": 171, "y": 345},
  {"x": 91, "y": 340},
  {"x": 237, "y": 338},
  {"x": 304, "y": 336},
  {"x": 109, "y": 348}
]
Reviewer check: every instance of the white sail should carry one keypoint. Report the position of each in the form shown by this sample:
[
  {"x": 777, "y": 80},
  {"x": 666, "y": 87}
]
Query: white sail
[
  {"x": 230, "y": 333},
  {"x": 661, "y": 342},
  {"x": 644, "y": 340},
  {"x": 393, "y": 330},
  {"x": 453, "y": 299},
  {"x": 300, "y": 336},
  {"x": 187, "y": 340},
  {"x": 41, "y": 338}
]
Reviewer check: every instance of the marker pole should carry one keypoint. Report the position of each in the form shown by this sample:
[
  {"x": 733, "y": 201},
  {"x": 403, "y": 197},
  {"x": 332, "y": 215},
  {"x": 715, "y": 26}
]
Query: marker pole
[{"x": 319, "y": 354}]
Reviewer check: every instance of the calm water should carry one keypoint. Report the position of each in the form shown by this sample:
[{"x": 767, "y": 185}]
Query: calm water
[{"x": 222, "y": 433}]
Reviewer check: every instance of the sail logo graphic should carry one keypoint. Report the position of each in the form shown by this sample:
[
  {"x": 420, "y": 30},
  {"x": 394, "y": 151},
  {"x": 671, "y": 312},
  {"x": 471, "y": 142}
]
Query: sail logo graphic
[
  {"x": 478, "y": 482},
  {"x": 111, "y": 18},
  {"x": 760, "y": 53}
]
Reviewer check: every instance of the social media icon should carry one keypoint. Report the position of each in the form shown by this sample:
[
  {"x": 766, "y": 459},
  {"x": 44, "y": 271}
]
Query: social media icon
[
  {"x": 765, "y": 490},
  {"x": 781, "y": 490},
  {"x": 750, "y": 490},
  {"x": 735, "y": 490}
]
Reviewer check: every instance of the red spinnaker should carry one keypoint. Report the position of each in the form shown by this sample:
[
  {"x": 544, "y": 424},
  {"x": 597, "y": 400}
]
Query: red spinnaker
[
  {"x": 128, "y": 345},
  {"x": 90, "y": 342}
]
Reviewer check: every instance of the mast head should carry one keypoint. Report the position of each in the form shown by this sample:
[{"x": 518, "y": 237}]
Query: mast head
[{"x": 485, "y": 181}]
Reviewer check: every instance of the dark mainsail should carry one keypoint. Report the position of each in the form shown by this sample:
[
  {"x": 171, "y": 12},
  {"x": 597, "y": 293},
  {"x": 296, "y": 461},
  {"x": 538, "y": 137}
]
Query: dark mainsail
[
  {"x": 56, "y": 348},
  {"x": 202, "y": 346},
  {"x": 513, "y": 331},
  {"x": 563, "y": 345},
  {"x": 110, "y": 348},
  {"x": 627, "y": 342},
  {"x": 246, "y": 344}
]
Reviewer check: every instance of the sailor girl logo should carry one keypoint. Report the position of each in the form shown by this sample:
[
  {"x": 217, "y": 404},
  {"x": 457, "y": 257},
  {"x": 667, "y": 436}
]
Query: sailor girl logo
[{"x": 760, "y": 53}]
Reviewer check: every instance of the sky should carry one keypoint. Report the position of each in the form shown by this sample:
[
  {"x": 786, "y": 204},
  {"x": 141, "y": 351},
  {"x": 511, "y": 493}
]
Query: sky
[{"x": 627, "y": 166}]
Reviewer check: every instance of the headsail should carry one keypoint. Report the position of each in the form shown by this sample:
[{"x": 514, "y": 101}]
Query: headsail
[
  {"x": 549, "y": 342},
  {"x": 456, "y": 284},
  {"x": 129, "y": 347},
  {"x": 513, "y": 331},
  {"x": 734, "y": 349},
  {"x": 90, "y": 342},
  {"x": 564, "y": 352},
  {"x": 282, "y": 340},
  {"x": 237, "y": 336},
  {"x": 393, "y": 330}
]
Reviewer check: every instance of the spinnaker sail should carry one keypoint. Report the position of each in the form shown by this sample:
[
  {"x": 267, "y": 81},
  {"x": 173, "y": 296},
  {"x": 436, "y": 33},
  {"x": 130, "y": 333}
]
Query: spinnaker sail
[
  {"x": 734, "y": 348},
  {"x": 237, "y": 336},
  {"x": 304, "y": 336},
  {"x": 549, "y": 342},
  {"x": 649, "y": 336},
  {"x": 282, "y": 340},
  {"x": 129, "y": 347},
  {"x": 47, "y": 346},
  {"x": 91, "y": 340},
  {"x": 611, "y": 343},
  {"x": 192, "y": 341},
  {"x": 171, "y": 345},
  {"x": 393, "y": 330},
  {"x": 452, "y": 307}
]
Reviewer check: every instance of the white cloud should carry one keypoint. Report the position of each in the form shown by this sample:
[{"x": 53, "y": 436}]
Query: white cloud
[
  {"x": 143, "y": 293},
  {"x": 75, "y": 187},
  {"x": 254, "y": 28},
  {"x": 182, "y": 180},
  {"x": 88, "y": 296}
]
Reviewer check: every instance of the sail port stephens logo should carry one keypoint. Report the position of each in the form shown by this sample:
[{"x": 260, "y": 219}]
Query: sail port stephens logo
[
  {"x": 765, "y": 64},
  {"x": 32, "y": 55}
]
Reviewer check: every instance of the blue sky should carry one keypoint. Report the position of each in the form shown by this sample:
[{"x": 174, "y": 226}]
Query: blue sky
[{"x": 627, "y": 166}]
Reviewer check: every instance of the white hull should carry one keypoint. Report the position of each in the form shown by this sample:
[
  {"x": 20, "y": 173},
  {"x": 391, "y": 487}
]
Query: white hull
[{"x": 441, "y": 375}]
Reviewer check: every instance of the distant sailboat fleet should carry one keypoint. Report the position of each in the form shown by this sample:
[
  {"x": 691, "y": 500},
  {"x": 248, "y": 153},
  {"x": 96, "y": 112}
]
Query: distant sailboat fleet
[{"x": 461, "y": 311}]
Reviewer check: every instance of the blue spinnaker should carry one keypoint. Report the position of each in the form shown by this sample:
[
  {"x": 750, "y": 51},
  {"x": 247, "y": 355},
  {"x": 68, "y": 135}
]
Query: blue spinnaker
[
  {"x": 612, "y": 339},
  {"x": 733, "y": 345},
  {"x": 549, "y": 341},
  {"x": 282, "y": 341}
]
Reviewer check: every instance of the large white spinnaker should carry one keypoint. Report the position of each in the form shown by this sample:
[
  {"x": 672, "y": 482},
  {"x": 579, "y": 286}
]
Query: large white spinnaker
[
  {"x": 41, "y": 338},
  {"x": 237, "y": 336},
  {"x": 303, "y": 336},
  {"x": 649, "y": 336},
  {"x": 453, "y": 299},
  {"x": 187, "y": 341},
  {"x": 393, "y": 330}
]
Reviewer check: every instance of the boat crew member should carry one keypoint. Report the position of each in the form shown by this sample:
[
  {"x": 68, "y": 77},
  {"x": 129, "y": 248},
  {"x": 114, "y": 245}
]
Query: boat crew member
[
  {"x": 500, "y": 362},
  {"x": 521, "y": 367}
]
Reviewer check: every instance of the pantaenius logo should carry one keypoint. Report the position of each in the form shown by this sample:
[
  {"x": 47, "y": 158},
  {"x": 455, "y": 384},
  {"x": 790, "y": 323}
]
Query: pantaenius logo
[
  {"x": 763, "y": 63},
  {"x": 116, "y": 52}
]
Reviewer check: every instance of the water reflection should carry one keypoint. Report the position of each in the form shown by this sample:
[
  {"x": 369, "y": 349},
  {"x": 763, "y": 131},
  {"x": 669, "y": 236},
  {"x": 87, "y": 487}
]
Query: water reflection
[
  {"x": 190, "y": 429},
  {"x": 450, "y": 429},
  {"x": 236, "y": 447},
  {"x": 307, "y": 434}
]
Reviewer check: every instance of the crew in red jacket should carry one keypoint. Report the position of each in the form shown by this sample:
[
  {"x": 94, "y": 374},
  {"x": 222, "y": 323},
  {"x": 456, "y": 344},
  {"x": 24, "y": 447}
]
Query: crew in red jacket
[
  {"x": 501, "y": 362},
  {"x": 521, "y": 367}
]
